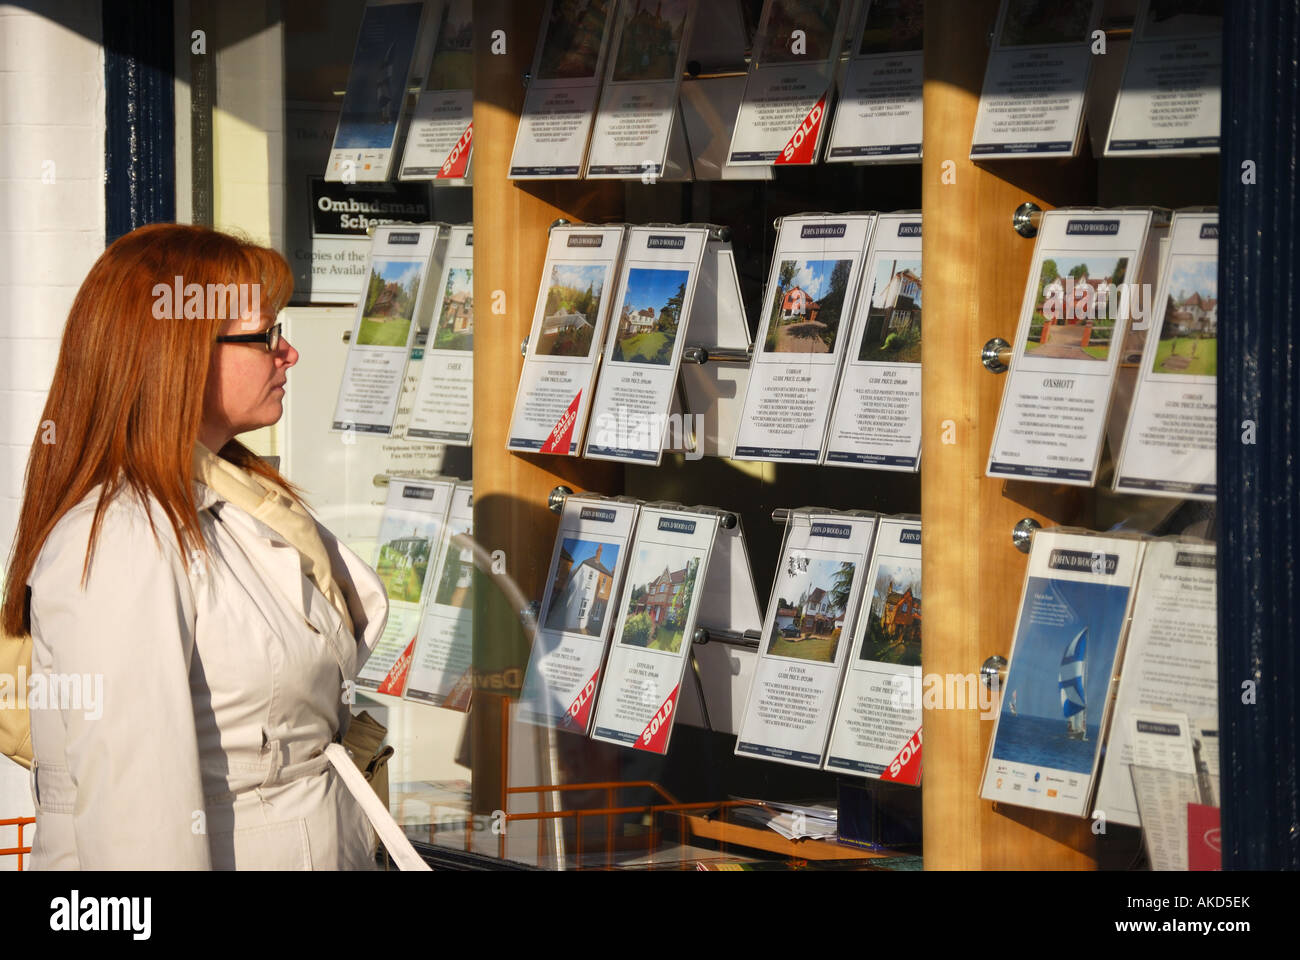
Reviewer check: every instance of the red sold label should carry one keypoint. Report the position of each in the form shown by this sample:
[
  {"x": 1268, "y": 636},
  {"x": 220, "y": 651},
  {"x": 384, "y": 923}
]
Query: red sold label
[
  {"x": 906, "y": 767},
  {"x": 454, "y": 167},
  {"x": 799, "y": 149},
  {"x": 655, "y": 735},
  {"x": 580, "y": 709}
]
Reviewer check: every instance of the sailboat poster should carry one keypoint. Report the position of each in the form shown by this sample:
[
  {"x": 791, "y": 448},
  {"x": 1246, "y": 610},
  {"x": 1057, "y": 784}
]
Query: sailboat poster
[{"x": 1047, "y": 742}]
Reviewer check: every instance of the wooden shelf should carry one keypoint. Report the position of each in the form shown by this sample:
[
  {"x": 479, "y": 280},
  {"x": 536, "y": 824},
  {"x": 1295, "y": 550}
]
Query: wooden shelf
[{"x": 761, "y": 838}]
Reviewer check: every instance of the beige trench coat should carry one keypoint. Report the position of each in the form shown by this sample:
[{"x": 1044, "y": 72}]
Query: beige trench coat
[{"x": 221, "y": 687}]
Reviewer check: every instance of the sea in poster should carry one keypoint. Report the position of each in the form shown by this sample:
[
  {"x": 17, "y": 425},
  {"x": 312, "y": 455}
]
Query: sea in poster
[{"x": 1032, "y": 728}]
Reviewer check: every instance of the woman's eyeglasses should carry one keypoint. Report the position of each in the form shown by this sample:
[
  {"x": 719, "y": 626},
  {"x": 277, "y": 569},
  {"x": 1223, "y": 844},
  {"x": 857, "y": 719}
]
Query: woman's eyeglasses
[{"x": 270, "y": 337}]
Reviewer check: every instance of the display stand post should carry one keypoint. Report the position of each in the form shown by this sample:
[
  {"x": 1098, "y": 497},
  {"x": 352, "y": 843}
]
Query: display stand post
[{"x": 729, "y": 611}]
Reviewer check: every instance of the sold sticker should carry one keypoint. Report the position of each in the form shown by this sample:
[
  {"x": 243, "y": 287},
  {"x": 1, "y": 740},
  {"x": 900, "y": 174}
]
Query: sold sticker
[
  {"x": 906, "y": 767},
  {"x": 580, "y": 709},
  {"x": 457, "y": 162},
  {"x": 654, "y": 737},
  {"x": 800, "y": 148}
]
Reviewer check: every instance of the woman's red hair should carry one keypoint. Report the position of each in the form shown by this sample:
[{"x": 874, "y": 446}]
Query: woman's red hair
[{"x": 126, "y": 402}]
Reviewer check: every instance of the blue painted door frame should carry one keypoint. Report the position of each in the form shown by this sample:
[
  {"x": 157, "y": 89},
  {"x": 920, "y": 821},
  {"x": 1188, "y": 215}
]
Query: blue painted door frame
[
  {"x": 1259, "y": 437},
  {"x": 140, "y": 116}
]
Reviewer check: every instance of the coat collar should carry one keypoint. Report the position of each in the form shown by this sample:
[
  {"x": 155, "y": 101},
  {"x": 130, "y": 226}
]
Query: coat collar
[
  {"x": 218, "y": 483},
  {"x": 205, "y": 497}
]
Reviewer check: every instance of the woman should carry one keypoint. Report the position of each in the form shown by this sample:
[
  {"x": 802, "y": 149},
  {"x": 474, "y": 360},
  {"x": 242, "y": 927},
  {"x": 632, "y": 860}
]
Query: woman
[{"x": 182, "y": 580}]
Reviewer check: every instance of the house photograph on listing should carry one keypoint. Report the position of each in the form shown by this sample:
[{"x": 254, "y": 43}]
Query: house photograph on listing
[
  {"x": 806, "y": 306},
  {"x": 584, "y": 579},
  {"x": 893, "y": 633},
  {"x": 812, "y": 596},
  {"x": 1189, "y": 332},
  {"x": 570, "y": 310},
  {"x": 663, "y": 585},
  {"x": 456, "y": 320},
  {"x": 893, "y": 330}
]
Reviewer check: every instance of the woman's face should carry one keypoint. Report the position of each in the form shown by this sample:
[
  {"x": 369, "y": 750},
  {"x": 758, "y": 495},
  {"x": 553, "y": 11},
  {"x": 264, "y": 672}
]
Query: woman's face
[{"x": 246, "y": 383}]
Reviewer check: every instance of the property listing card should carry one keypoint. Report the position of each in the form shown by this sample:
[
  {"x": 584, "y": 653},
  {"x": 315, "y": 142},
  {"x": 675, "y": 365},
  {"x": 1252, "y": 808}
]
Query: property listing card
[
  {"x": 441, "y": 136},
  {"x": 879, "y": 113},
  {"x": 444, "y": 647},
  {"x": 372, "y": 104},
  {"x": 1032, "y": 101},
  {"x": 562, "y": 90},
  {"x": 640, "y": 691},
  {"x": 1077, "y": 599},
  {"x": 877, "y": 731},
  {"x": 788, "y": 90},
  {"x": 567, "y": 336},
  {"x": 394, "y": 306},
  {"x": 638, "y": 108},
  {"x": 1165, "y": 787},
  {"x": 810, "y": 618},
  {"x": 809, "y": 304},
  {"x": 410, "y": 530},
  {"x": 1169, "y": 442},
  {"x": 1072, "y": 323},
  {"x": 877, "y": 416},
  {"x": 443, "y": 410},
  {"x": 651, "y": 308},
  {"x": 1168, "y": 102},
  {"x": 1170, "y": 664},
  {"x": 583, "y": 590}
]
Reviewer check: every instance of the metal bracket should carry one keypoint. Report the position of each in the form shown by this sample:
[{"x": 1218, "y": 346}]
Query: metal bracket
[
  {"x": 735, "y": 638},
  {"x": 1027, "y": 218},
  {"x": 1022, "y": 534},
  {"x": 996, "y": 355},
  {"x": 783, "y": 514},
  {"x": 421, "y": 338},
  {"x": 717, "y": 231},
  {"x": 555, "y": 499},
  {"x": 523, "y": 347},
  {"x": 994, "y": 669},
  {"x": 703, "y": 355}
]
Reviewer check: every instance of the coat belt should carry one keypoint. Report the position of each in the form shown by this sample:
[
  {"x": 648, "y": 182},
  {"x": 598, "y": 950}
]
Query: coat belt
[{"x": 277, "y": 772}]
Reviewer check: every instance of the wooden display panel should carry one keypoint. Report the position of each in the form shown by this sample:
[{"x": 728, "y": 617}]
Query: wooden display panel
[
  {"x": 510, "y": 489},
  {"x": 975, "y": 266}
]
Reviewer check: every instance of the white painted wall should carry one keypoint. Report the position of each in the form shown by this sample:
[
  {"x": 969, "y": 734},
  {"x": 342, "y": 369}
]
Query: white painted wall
[{"x": 51, "y": 231}]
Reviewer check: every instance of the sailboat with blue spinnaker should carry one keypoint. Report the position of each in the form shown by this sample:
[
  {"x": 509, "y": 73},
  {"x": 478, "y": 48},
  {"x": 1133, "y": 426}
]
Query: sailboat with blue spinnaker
[{"x": 1074, "y": 704}]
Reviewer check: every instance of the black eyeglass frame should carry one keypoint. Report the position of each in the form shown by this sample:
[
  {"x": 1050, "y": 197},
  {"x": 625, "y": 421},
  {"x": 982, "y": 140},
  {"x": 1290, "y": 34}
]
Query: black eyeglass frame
[{"x": 270, "y": 336}]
